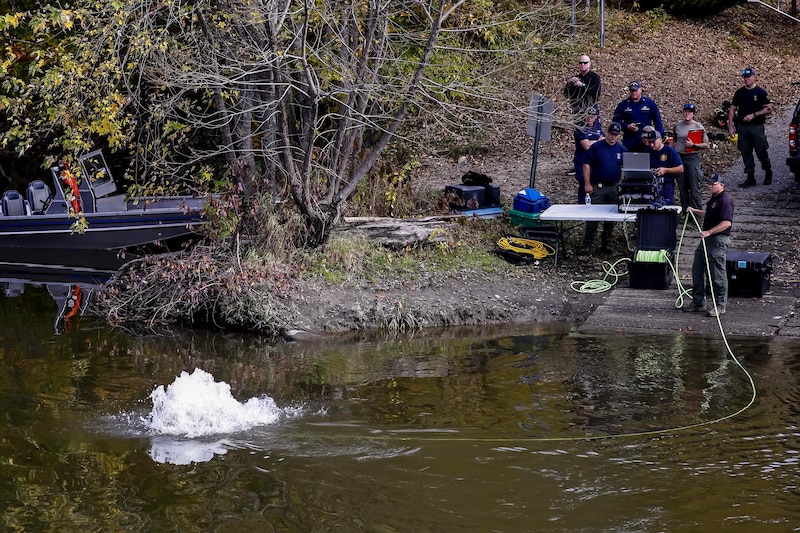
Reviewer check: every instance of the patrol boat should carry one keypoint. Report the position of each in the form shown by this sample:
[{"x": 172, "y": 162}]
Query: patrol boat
[{"x": 52, "y": 218}]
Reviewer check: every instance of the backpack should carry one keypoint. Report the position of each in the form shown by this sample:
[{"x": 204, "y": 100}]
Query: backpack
[
  {"x": 476, "y": 178},
  {"x": 721, "y": 114}
]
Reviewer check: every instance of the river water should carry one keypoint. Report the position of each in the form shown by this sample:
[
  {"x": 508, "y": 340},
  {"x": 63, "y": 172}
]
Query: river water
[{"x": 533, "y": 428}]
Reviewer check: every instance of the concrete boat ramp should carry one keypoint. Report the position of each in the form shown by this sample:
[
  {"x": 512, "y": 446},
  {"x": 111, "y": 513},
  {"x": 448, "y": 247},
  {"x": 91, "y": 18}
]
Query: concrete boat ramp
[
  {"x": 766, "y": 218},
  {"x": 627, "y": 310}
]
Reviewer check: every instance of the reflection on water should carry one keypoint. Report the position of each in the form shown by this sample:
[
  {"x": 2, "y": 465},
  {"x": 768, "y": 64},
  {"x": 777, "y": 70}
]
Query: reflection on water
[
  {"x": 70, "y": 278},
  {"x": 534, "y": 429}
]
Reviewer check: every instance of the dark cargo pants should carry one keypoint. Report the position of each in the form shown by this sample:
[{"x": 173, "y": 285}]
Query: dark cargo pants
[{"x": 752, "y": 138}]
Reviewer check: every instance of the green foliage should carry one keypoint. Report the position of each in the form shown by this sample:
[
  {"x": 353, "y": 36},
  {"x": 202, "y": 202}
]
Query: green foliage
[
  {"x": 387, "y": 190},
  {"x": 48, "y": 56},
  {"x": 299, "y": 99}
]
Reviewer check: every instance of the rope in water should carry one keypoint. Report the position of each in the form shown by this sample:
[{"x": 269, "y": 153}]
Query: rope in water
[{"x": 599, "y": 286}]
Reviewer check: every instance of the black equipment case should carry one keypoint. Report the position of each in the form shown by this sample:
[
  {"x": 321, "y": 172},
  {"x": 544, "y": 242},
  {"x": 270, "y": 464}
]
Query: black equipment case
[
  {"x": 748, "y": 273},
  {"x": 639, "y": 185},
  {"x": 465, "y": 197},
  {"x": 656, "y": 230},
  {"x": 638, "y": 192}
]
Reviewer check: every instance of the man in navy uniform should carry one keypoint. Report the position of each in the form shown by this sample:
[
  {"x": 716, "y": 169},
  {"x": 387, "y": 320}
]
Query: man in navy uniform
[
  {"x": 634, "y": 113},
  {"x": 601, "y": 174},
  {"x": 586, "y": 135},
  {"x": 664, "y": 161}
]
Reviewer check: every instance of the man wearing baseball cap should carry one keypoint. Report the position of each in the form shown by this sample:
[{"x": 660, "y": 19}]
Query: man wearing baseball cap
[
  {"x": 586, "y": 135},
  {"x": 664, "y": 162},
  {"x": 715, "y": 240},
  {"x": 602, "y": 171},
  {"x": 634, "y": 113},
  {"x": 750, "y": 108}
]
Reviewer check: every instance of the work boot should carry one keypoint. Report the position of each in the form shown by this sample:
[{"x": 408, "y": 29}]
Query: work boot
[
  {"x": 768, "y": 176},
  {"x": 693, "y": 307},
  {"x": 749, "y": 182}
]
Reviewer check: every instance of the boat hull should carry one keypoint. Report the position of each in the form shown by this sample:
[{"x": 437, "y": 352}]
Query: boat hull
[{"x": 105, "y": 231}]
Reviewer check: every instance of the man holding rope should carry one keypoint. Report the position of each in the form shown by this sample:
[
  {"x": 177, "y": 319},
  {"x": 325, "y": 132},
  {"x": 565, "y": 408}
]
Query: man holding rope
[{"x": 715, "y": 240}]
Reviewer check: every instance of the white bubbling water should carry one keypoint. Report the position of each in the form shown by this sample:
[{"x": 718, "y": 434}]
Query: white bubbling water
[{"x": 194, "y": 405}]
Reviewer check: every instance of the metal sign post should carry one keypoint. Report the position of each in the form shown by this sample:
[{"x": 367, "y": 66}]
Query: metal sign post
[{"x": 539, "y": 126}]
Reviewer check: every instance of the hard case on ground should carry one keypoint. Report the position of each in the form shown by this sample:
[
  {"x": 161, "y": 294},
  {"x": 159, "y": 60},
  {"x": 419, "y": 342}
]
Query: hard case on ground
[
  {"x": 655, "y": 230},
  {"x": 748, "y": 273},
  {"x": 523, "y": 219},
  {"x": 466, "y": 196},
  {"x": 530, "y": 201},
  {"x": 492, "y": 195}
]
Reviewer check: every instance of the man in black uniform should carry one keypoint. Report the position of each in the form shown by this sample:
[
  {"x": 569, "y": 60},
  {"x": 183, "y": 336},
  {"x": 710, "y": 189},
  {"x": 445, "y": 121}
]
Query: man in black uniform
[
  {"x": 716, "y": 238},
  {"x": 583, "y": 89},
  {"x": 749, "y": 110}
]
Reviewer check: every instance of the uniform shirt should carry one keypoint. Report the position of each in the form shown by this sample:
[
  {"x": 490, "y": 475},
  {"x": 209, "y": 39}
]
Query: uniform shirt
[
  {"x": 749, "y": 101},
  {"x": 586, "y": 96},
  {"x": 605, "y": 162},
  {"x": 719, "y": 208},
  {"x": 584, "y": 132},
  {"x": 682, "y": 130},
  {"x": 644, "y": 113},
  {"x": 666, "y": 157}
]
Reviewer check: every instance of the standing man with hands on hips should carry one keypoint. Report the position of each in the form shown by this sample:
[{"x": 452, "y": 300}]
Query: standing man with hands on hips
[{"x": 750, "y": 108}]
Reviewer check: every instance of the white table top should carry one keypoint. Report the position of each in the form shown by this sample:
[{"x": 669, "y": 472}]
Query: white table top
[{"x": 592, "y": 213}]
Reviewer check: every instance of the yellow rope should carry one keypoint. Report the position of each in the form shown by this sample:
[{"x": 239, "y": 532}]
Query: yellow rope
[{"x": 537, "y": 249}]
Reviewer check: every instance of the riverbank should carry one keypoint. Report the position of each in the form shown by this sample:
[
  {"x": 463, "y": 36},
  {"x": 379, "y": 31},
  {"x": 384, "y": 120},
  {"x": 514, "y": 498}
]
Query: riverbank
[{"x": 539, "y": 292}]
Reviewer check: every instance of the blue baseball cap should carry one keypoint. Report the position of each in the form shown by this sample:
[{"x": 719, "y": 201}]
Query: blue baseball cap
[
  {"x": 614, "y": 127},
  {"x": 746, "y": 73},
  {"x": 717, "y": 178},
  {"x": 634, "y": 86}
]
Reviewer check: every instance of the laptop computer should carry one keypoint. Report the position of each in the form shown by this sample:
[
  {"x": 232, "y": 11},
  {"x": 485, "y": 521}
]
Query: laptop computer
[{"x": 636, "y": 166}]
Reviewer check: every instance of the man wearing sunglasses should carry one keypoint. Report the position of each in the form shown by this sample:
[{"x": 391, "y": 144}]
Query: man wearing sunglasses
[
  {"x": 583, "y": 89},
  {"x": 750, "y": 108}
]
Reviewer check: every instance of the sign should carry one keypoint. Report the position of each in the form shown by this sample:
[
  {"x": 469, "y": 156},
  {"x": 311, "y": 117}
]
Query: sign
[
  {"x": 540, "y": 117},
  {"x": 539, "y": 126}
]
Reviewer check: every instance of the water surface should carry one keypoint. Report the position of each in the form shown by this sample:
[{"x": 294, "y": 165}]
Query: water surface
[{"x": 525, "y": 429}]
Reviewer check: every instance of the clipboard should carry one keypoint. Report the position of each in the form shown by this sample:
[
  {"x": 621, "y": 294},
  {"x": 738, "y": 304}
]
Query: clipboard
[{"x": 696, "y": 136}]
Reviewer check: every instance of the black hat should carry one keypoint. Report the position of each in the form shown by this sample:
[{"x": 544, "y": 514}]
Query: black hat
[
  {"x": 592, "y": 110},
  {"x": 689, "y": 107},
  {"x": 614, "y": 127},
  {"x": 649, "y": 133},
  {"x": 746, "y": 73},
  {"x": 717, "y": 178}
]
